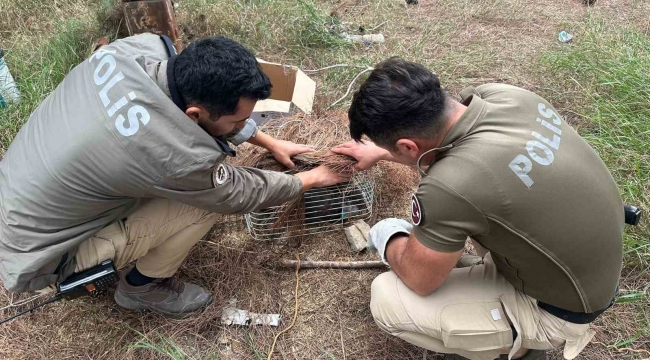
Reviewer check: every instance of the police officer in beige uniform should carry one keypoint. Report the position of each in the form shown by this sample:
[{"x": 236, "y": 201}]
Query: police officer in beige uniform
[
  {"x": 503, "y": 169},
  {"x": 125, "y": 161}
]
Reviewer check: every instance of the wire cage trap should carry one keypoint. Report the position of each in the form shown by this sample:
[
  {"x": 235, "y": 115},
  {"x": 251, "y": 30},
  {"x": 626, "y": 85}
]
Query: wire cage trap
[{"x": 320, "y": 210}]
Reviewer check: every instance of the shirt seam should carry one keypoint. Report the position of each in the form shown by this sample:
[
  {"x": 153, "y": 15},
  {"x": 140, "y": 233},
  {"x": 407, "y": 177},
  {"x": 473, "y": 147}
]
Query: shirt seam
[
  {"x": 462, "y": 137},
  {"x": 549, "y": 256},
  {"x": 177, "y": 170}
]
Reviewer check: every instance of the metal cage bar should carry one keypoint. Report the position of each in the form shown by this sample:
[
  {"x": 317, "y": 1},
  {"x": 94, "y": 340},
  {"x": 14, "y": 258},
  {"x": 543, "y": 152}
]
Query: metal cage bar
[{"x": 326, "y": 209}]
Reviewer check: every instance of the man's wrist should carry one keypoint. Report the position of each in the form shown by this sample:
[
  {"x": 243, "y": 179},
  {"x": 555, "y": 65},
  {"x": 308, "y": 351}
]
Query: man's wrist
[
  {"x": 393, "y": 245},
  {"x": 271, "y": 143},
  {"x": 306, "y": 179},
  {"x": 263, "y": 140},
  {"x": 385, "y": 155}
]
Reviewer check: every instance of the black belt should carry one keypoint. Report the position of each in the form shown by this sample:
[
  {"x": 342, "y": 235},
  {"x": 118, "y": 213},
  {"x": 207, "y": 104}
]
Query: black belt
[{"x": 572, "y": 316}]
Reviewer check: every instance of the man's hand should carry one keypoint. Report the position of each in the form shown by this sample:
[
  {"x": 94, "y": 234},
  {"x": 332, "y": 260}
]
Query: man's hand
[
  {"x": 383, "y": 231},
  {"x": 320, "y": 177},
  {"x": 366, "y": 153},
  {"x": 283, "y": 151}
]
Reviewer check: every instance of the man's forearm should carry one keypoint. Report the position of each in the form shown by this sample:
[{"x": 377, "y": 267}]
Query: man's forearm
[
  {"x": 383, "y": 154},
  {"x": 420, "y": 272},
  {"x": 414, "y": 279},
  {"x": 394, "y": 253},
  {"x": 262, "y": 140},
  {"x": 387, "y": 156}
]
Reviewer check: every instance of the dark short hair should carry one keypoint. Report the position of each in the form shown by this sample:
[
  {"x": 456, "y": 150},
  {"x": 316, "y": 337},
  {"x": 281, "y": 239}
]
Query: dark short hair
[
  {"x": 400, "y": 99},
  {"x": 216, "y": 72}
]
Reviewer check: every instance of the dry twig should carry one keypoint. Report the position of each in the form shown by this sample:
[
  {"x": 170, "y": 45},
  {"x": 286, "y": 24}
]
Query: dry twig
[
  {"x": 333, "y": 264},
  {"x": 625, "y": 349}
]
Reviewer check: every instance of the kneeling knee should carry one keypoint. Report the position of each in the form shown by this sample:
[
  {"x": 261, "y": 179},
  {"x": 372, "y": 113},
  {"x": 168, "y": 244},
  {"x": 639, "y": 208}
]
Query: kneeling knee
[
  {"x": 207, "y": 216},
  {"x": 384, "y": 300}
]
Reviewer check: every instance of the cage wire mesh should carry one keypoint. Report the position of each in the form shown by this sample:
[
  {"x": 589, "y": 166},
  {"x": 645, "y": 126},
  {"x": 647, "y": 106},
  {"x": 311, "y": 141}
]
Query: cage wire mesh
[{"x": 321, "y": 210}]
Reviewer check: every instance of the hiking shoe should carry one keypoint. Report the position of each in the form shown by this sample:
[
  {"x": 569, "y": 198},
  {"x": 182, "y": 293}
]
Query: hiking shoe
[
  {"x": 534, "y": 355},
  {"x": 170, "y": 297}
]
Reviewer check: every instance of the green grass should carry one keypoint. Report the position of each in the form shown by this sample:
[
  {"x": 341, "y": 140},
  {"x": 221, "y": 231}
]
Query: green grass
[
  {"x": 39, "y": 68},
  {"x": 161, "y": 345},
  {"x": 607, "y": 74},
  {"x": 297, "y": 28},
  {"x": 611, "y": 72}
]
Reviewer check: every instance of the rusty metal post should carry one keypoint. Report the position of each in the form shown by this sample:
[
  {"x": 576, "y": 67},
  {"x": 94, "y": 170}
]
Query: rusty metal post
[{"x": 155, "y": 16}]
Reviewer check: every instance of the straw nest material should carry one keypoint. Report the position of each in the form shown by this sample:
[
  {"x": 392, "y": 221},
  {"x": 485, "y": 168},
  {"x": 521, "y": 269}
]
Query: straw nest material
[
  {"x": 321, "y": 133},
  {"x": 393, "y": 181}
]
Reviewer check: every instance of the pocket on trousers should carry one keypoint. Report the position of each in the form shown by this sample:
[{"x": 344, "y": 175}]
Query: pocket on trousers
[{"x": 475, "y": 326}]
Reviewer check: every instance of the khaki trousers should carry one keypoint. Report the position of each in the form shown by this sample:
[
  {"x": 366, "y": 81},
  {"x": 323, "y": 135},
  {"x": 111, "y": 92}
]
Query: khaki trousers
[
  {"x": 472, "y": 314},
  {"x": 159, "y": 235}
]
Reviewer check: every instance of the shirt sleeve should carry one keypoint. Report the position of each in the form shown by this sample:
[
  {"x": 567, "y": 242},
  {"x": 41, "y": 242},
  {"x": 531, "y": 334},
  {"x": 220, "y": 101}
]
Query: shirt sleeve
[
  {"x": 226, "y": 189},
  {"x": 447, "y": 218}
]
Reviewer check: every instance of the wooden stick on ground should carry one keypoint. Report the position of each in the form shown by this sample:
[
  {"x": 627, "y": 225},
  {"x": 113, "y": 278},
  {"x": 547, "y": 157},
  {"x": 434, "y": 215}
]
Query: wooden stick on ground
[{"x": 332, "y": 264}]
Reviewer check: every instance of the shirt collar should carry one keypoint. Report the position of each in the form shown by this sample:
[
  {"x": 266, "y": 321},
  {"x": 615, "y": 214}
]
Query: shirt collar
[
  {"x": 158, "y": 73},
  {"x": 467, "y": 120}
]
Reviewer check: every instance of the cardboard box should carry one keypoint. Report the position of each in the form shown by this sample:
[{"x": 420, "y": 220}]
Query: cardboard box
[{"x": 292, "y": 89}]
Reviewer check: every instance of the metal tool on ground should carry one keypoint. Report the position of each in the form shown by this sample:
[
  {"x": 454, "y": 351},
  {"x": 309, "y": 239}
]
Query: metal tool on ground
[{"x": 92, "y": 282}]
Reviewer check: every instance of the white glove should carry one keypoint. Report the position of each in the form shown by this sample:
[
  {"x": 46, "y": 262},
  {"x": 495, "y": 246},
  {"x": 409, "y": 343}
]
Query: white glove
[{"x": 383, "y": 231}]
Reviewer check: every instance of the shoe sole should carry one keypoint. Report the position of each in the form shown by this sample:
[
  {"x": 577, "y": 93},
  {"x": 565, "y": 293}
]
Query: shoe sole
[{"x": 129, "y": 304}]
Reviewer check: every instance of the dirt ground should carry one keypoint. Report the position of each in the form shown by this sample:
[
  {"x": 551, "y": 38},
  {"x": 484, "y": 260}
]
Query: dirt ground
[{"x": 467, "y": 42}]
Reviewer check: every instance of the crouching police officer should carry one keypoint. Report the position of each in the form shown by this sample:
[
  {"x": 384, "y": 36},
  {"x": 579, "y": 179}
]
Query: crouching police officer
[
  {"x": 506, "y": 171},
  {"x": 125, "y": 161}
]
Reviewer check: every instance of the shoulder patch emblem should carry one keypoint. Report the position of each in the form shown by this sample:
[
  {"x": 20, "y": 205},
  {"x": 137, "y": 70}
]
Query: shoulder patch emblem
[
  {"x": 416, "y": 210},
  {"x": 220, "y": 175}
]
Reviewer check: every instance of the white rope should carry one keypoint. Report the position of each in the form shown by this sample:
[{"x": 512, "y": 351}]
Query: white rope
[
  {"x": 365, "y": 69},
  {"x": 21, "y": 302},
  {"x": 350, "y": 86},
  {"x": 277, "y": 133},
  {"x": 334, "y": 66}
]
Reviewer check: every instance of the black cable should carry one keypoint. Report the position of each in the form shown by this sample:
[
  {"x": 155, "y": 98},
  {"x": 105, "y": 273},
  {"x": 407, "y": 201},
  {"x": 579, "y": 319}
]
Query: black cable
[{"x": 56, "y": 297}]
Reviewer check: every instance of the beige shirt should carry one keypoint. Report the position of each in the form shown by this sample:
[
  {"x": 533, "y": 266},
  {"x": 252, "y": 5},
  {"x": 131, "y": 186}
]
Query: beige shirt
[{"x": 524, "y": 184}]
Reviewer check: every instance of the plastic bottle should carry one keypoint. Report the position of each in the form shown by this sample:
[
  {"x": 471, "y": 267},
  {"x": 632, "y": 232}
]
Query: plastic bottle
[{"x": 8, "y": 90}]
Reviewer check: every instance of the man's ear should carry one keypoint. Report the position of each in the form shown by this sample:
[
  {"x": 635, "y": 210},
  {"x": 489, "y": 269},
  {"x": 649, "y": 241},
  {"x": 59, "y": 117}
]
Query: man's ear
[
  {"x": 197, "y": 113},
  {"x": 408, "y": 147}
]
